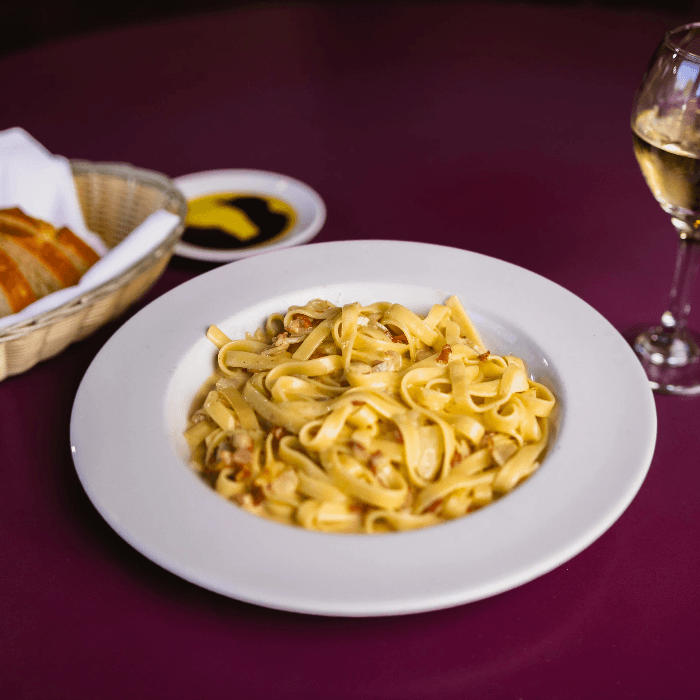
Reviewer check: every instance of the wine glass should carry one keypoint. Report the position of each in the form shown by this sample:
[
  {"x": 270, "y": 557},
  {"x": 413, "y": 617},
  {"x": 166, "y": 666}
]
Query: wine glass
[{"x": 666, "y": 130}]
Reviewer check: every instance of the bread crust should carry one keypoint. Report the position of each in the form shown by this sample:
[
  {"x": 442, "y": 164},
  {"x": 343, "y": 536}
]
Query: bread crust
[{"x": 37, "y": 259}]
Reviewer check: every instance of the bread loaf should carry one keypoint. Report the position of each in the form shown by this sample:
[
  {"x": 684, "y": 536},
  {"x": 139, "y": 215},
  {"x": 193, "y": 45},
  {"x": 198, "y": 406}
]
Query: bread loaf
[{"x": 36, "y": 259}]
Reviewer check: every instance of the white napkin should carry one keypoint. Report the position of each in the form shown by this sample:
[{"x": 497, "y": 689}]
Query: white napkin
[{"x": 41, "y": 184}]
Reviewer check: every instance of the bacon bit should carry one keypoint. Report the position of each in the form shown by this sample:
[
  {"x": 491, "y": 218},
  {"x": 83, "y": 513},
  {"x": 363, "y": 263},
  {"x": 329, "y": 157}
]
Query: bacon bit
[
  {"x": 484, "y": 356},
  {"x": 358, "y": 507},
  {"x": 444, "y": 355},
  {"x": 357, "y": 448},
  {"x": 298, "y": 323},
  {"x": 256, "y": 493},
  {"x": 358, "y": 403},
  {"x": 398, "y": 436},
  {"x": 456, "y": 459},
  {"x": 374, "y": 459},
  {"x": 400, "y": 338},
  {"x": 278, "y": 432},
  {"x": 434, "y": 506},
  {"x": 304, "y": 321}
]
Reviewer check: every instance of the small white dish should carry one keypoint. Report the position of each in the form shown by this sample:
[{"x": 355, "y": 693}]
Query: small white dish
[
  {"x": 305, "y": 213},
  {"x": 132, "y": 459}
]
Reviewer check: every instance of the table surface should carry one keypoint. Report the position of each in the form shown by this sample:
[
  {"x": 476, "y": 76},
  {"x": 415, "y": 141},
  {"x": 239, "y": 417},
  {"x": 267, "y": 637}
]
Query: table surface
[{"x": 497, "y": 128}]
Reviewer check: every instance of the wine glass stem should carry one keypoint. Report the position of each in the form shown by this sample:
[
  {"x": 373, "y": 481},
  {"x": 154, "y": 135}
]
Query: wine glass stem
[{"x": 687, "y": 260}]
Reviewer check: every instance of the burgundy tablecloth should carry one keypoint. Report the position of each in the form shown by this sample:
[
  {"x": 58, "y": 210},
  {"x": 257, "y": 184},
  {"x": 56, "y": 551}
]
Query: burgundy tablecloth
[{"x": 496, "y": 128}]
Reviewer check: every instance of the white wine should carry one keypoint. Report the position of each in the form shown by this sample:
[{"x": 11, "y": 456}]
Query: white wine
[{"x": 668, "y": 152}]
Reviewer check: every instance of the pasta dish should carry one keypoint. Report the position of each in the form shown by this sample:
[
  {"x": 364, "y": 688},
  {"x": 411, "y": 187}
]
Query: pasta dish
[{"x": 366, "y": 419}]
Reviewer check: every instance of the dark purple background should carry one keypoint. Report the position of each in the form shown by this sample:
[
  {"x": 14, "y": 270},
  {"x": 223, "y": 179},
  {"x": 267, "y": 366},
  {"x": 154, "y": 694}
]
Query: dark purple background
[{"x": 501, "y": 129}]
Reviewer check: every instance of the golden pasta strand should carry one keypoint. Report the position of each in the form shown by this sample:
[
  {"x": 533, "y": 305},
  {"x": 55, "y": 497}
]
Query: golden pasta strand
[{"x": 367, "y": 418}]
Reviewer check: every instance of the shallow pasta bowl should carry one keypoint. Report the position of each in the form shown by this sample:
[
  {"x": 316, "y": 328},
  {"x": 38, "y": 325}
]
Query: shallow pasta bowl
[{"x": 132, "y": 459}]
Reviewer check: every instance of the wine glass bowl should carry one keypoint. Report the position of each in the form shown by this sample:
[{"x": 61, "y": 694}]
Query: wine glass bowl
[{"x": 665, "y": 124}]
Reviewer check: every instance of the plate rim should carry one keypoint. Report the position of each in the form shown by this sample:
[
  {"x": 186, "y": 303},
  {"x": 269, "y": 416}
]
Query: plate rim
[{"x": 430, "y": 600}]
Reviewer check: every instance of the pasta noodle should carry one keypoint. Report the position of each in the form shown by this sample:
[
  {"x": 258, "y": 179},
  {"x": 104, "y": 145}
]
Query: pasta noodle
[{"x": 366, "y": 418}]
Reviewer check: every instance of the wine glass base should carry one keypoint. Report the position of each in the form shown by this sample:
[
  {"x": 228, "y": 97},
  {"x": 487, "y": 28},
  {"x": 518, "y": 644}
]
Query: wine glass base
[{"x": 671, "y": 360}]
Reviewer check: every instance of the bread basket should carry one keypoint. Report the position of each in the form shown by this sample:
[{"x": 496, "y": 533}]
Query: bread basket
[{"x": 115, "y": 199}]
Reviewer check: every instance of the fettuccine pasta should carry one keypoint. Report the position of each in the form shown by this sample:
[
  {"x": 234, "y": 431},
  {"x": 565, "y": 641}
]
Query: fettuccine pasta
[{"x": 366, "y": 418}]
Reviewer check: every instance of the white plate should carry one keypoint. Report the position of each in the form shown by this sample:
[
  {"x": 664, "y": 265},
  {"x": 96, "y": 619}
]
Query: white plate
[
  {"x": 131, "y": 408},
  {"x": 307, "y": 204}
]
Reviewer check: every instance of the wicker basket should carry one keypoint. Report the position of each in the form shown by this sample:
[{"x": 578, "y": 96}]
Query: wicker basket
[{"x": 115, "y": 199}]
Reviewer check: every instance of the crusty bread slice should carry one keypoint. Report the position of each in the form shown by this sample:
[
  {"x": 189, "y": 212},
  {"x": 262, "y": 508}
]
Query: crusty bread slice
[{"x": 36, "y": 259}]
